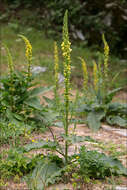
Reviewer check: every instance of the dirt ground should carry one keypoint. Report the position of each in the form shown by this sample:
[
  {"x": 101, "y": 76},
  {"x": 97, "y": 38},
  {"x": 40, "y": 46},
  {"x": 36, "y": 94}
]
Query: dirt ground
[{"x": 81, "y": 130}]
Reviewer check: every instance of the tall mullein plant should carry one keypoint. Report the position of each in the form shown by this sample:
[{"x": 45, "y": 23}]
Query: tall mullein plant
[
  {"x": 65, "y": 46},
  {"x": 56, "y": 69},
  {"x": 85, "y": 75},
  {"x": 28, "y": 54},
  {"x": 10, "y": 62},
  {"x": 106, "y": 59},
  {"x": 95, "y": 77},
  {"x": 11, "y": 72}
]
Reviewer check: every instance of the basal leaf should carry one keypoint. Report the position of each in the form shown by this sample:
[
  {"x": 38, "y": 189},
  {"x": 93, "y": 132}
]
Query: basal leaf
[
  {"x": 112, "y": 120},
  {"x": 93, "y": 121},
  {"x": 44, "y": 174}
]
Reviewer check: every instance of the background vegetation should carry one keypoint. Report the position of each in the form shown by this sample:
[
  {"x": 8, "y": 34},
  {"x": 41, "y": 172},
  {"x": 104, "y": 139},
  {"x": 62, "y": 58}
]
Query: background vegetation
[{"x": 87, "y": 19}]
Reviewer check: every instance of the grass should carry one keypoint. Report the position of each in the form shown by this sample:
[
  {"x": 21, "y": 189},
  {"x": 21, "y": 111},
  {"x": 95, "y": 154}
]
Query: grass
[{"x": 43, "y": 54}]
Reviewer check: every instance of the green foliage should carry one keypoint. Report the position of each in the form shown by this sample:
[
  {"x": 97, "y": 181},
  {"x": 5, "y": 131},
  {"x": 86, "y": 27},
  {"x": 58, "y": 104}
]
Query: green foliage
[
  {"x": 48, "y": 171},
  {"x": 111, "y": 148},
  {"x": 112, "y": 113},
  {"x": 11, "y": 132},
  {"x": 97, "y": 165},
  {"x": 39, "y": 145},
  {"x": 95, "y": 17},
  {"x": 19, "y": 101},
  {"x": 20, "y": 110},
  {"x": 15, "y": 164},
  {"x": 96, "y": 102}
]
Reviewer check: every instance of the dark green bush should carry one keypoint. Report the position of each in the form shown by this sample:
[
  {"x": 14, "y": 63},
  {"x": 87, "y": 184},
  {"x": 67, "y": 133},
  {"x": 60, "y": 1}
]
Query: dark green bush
[
  {"x": 87, "y": 18},
  {"x": 97, "y": 165}
]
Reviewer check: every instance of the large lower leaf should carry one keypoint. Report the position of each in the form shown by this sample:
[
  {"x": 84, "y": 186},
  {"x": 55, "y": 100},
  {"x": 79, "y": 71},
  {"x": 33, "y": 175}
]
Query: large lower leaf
[
  {"x": 112, "y": 120},
  {"x": 44, "y": 174},
  {"x": 34, "y": 103},
  {"x": 116, "y": 107},
  {"x": 93, "y": 121},
  {"x": 42, "y": 144},
  {"x": 98, "y": 165}
]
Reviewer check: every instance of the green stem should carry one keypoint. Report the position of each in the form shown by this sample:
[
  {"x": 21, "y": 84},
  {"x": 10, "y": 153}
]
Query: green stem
[{"x": 66, "y": 125}]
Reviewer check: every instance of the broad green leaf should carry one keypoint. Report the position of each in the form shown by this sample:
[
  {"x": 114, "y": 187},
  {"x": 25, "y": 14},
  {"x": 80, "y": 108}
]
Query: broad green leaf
[
  {"x": 42, "y": 144},
  {"x": 98, "y": 165},
  {"x": 48, "y": 100},
  {"x": 100, "y": 114},
  {"x": 18, "y": 117},
  {"x": 83, "y": 108},
  {"x": 111, "y": 94},
  {"x": 112, "y": 120},
  {"x": 93, "y": 121},
  {"x": 9, "y": 114},
  {"x": 39, "y": 90},
  {"x": 44, "y": 174},
  {"x": 114, "y": 91},
  {"x": 34, "y": 103},
  {"x": 117, "y": 107}
]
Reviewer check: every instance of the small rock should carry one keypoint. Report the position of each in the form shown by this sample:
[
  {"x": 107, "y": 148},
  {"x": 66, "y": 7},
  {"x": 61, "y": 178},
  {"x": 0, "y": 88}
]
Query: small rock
[
  {"x": 38, "y": 69},
  {"x": 60, "y": 77},
  {"x": 108, "y": 19},
  {"x": 80, "y": 35},
  {"x": 120, "y": 188},
  {"x": 121, "y": 132}
]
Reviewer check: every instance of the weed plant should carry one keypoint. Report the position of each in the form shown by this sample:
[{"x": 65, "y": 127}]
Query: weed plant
[
  {"x": 19, "y": 102},
  {"x": 96, "y": 103},
  {"x": 74, "y": 166},
  {"x": 20, "y": 105}
]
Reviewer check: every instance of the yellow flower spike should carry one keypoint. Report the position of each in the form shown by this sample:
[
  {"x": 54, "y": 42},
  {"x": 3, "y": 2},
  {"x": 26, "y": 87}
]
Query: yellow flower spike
[
  {"x": 66, "y": 50},
  {"x": 95, "y": 75},
  {"x": 85, "y": 73},
  {"x": 106, "y": 54},
  {"x": 56, "y": 60},
  {"x": 56, "y": 69},
  {"x": 28, "y": 53},
  {"x": 65, "y": 46},
  {"x": 9, "y": 58}
]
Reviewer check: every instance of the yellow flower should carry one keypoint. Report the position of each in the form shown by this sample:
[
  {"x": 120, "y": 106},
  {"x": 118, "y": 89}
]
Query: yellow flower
[{"x": 77, "y": 157}]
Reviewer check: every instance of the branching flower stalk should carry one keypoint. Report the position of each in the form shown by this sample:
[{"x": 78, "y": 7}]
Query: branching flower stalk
[
  {"x": 28, "y": 54},
  {"x": 95, "y": 76},
  {"x": 67, "y": 71},
  {"x": 56, "y": 69}
]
